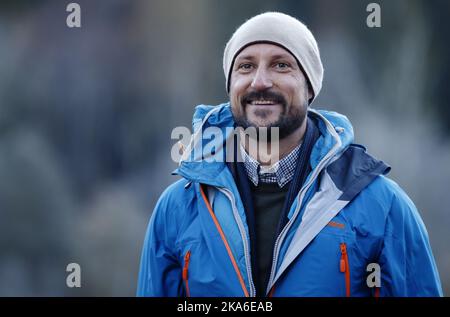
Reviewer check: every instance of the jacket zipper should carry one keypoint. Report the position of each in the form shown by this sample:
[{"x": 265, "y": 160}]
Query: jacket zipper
[
  {"x": 187, "y": 258},
  {"x": 345, "y": 268},
  {"x": 303, "y": 191},
  {"x": 377, "y": 292},
  {"x": 240, "y": 224},
  {"x": 272, "y": 291},
  {"x": 227, "y": 246}
]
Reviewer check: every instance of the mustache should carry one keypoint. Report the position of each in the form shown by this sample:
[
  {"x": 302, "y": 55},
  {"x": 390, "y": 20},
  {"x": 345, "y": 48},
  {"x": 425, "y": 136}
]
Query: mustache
[{"x": 265, "y": 94}]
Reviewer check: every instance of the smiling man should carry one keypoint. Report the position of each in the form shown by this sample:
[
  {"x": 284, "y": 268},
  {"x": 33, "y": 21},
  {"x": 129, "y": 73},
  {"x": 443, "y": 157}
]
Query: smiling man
[{"x": 308, "y": 223}]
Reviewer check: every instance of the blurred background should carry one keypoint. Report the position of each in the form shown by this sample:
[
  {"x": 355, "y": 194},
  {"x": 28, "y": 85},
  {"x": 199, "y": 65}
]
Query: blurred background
[{"x": 86, "y": 116}]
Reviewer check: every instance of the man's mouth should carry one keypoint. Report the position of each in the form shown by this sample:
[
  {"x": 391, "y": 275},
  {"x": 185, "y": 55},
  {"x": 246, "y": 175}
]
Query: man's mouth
[{"x": 263, "y": 102}]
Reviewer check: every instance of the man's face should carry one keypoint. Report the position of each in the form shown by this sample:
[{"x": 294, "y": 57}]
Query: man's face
[{"x": 268, "y": 89}]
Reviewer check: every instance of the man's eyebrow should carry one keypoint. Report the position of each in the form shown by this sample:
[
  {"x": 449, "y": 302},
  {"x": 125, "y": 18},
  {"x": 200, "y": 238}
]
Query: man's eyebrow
[
  {"x": 283, "y": 56},
  {"x": 277, "y": 56},
  {"x": 245, "y": 57}
]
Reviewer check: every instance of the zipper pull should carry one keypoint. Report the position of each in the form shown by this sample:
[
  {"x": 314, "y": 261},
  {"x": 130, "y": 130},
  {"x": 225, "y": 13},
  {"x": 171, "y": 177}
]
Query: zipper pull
[
  {"x": 187, "y": 257},
  {"x": 345, "y": 268},
  {"x": 342, "y": 265}
]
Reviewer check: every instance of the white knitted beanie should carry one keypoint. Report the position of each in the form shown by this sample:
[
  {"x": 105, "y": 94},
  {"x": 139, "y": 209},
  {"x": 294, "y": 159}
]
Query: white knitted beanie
[{"x": 283, "y": 30}]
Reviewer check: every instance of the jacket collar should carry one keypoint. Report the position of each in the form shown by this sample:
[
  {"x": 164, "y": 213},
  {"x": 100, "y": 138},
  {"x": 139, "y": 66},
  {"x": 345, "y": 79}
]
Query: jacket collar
[{"x": 198, "y": 165}]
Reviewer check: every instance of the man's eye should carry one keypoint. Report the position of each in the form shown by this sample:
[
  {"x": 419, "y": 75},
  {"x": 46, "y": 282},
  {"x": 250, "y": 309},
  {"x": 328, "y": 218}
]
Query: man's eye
[
  {"x": 282, "y": 65},
  {"x": 245, "y": 66}
]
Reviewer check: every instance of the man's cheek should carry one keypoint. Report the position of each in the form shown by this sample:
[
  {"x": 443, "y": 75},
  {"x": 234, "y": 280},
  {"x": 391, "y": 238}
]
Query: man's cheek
[{"x": 236, "y": 105}]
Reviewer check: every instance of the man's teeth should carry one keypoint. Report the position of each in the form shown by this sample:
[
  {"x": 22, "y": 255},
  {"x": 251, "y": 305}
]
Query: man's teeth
[{"x": 262, "y": 102}]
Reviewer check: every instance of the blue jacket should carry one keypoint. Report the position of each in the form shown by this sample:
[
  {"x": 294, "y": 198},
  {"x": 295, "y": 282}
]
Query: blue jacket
[{"x": 346, "y": 216}]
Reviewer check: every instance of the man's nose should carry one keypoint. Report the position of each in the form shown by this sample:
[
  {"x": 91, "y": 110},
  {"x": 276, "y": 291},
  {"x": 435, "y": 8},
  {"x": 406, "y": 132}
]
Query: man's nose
[{"x": 261, "y": 80}]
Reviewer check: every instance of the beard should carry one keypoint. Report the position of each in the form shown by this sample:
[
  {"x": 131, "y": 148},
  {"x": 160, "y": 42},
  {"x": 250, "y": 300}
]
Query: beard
[{"x": 290, "y": 119}]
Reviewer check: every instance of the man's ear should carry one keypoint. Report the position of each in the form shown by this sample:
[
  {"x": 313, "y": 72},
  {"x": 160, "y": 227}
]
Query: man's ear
[{"x": 310, "y": 94}]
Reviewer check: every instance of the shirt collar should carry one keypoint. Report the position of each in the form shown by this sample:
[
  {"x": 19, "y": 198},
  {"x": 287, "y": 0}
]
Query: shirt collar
[{"x": 281, "y": 172}]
